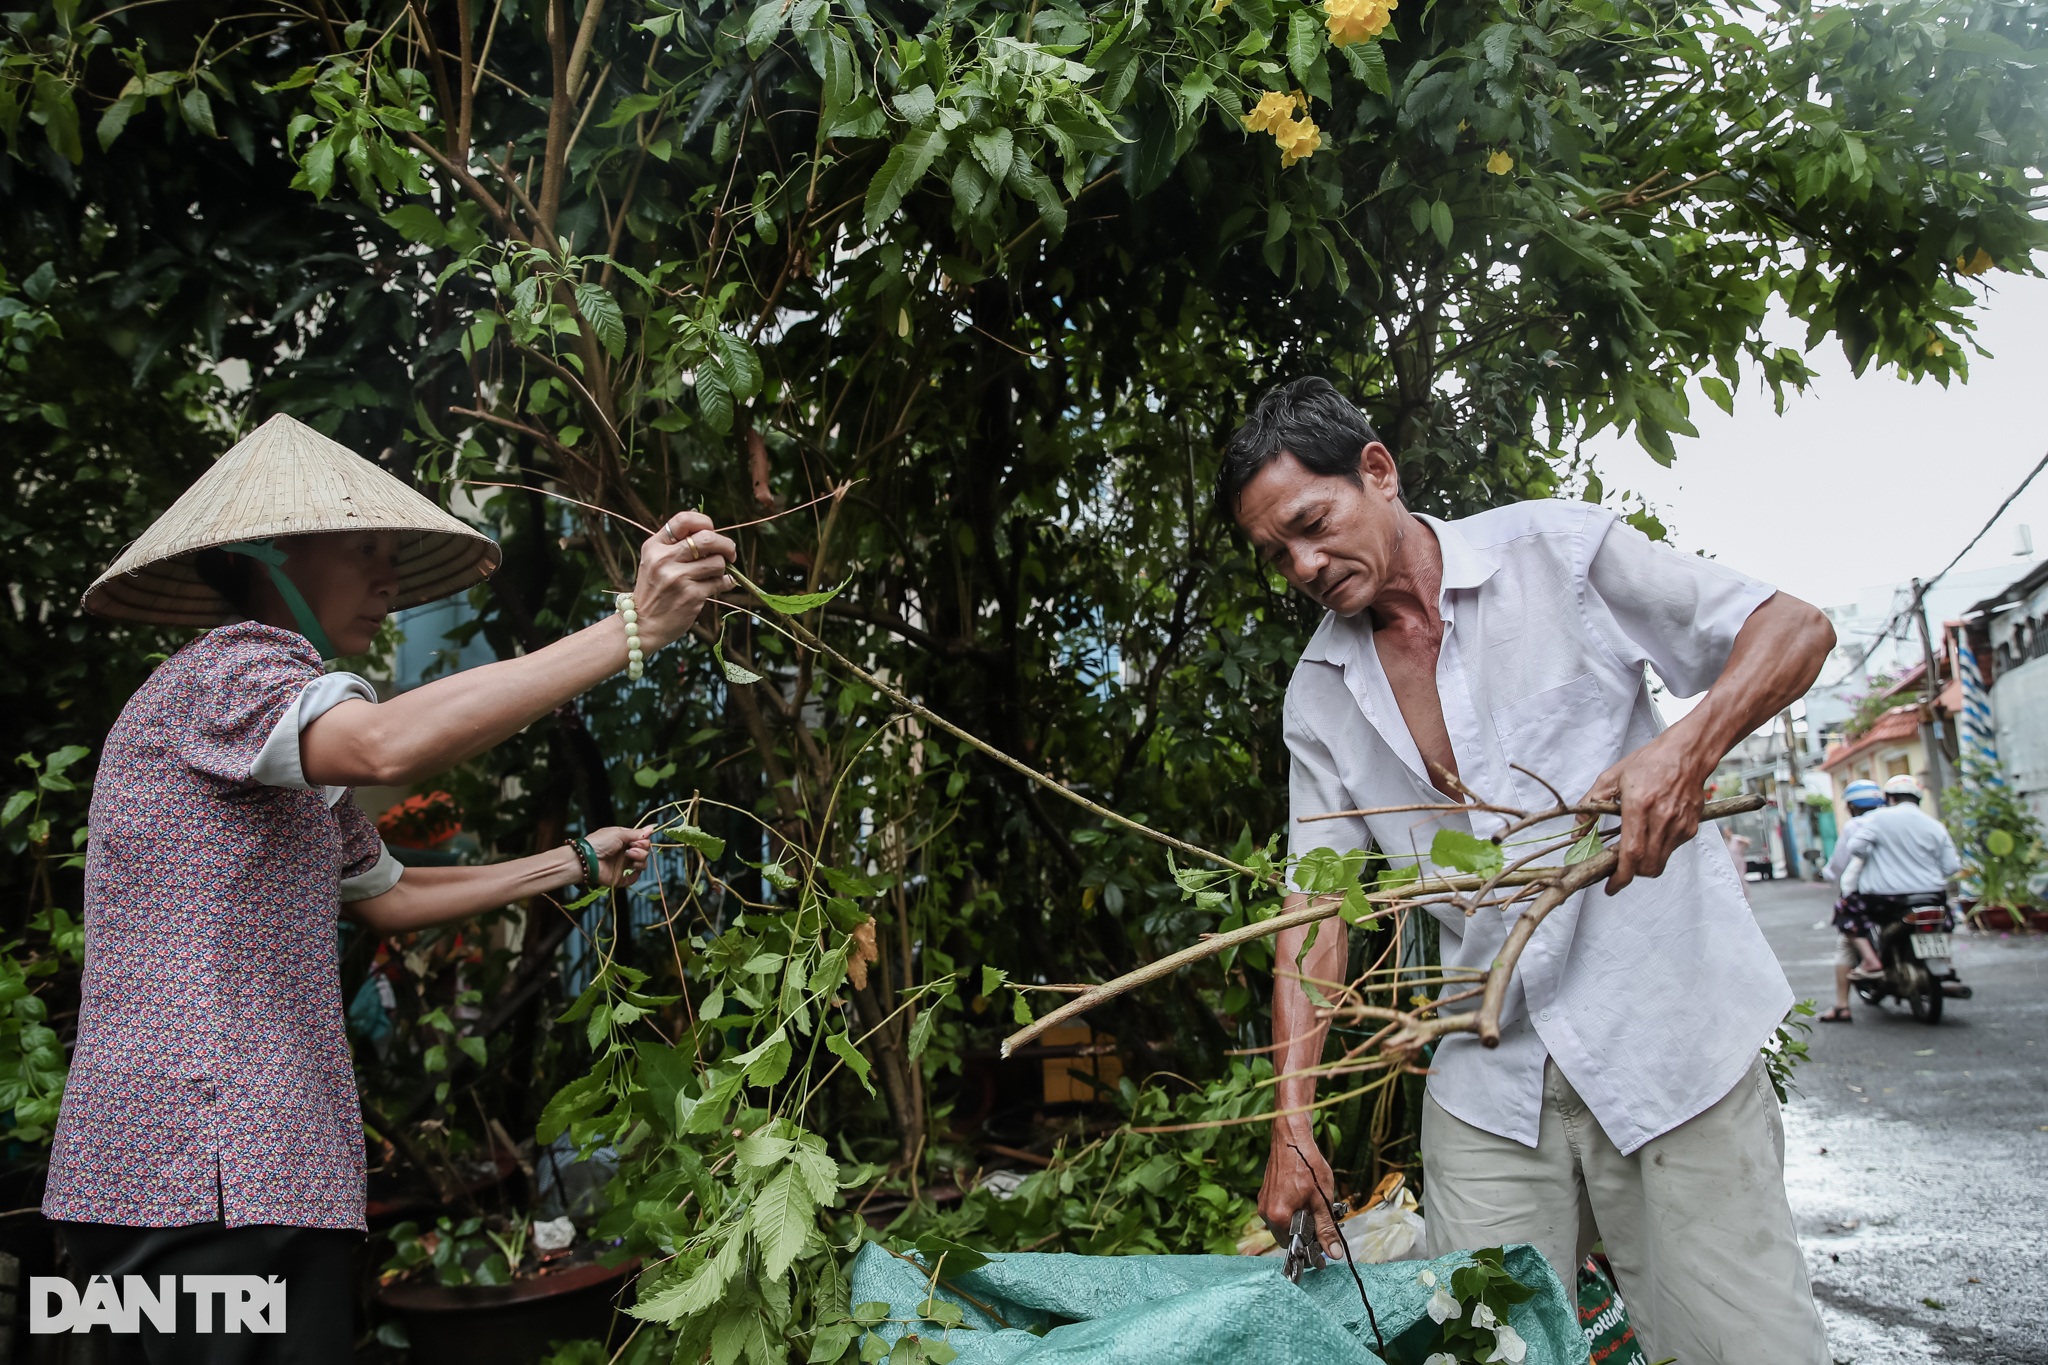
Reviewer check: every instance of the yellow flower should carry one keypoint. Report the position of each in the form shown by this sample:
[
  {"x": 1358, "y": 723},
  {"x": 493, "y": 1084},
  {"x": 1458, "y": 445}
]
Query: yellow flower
[
  {"x": 1217, "y": 8},
  {"x": 1274, "y": 113},
  {"x": 1976, "y": 264},
  {"x": 1272, "y": 110},
  {"x": 1500, "y": 163},
  {"x": 1936, "y": 347},
  {"x": 1353, "y": 21},
  {"x": 1298, "y": 140}
]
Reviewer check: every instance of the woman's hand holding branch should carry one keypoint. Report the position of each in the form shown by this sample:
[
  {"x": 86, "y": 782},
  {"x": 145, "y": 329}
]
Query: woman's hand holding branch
[{"x": 682, "y": 566}]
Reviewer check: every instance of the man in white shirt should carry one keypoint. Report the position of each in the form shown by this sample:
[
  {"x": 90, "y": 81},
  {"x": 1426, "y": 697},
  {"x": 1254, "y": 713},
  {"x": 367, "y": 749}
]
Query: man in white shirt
[
  {"x": 1625, "y": 1101},
  {"x": 1900, "y": 850}
]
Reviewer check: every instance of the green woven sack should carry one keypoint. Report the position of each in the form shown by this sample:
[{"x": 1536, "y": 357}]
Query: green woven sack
[{"x": 1048, "y": 1309}]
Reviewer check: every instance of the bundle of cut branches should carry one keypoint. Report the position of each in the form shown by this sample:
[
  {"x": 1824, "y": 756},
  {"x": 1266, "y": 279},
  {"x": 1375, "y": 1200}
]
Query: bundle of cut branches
[{"x": 1527, "y": 884}]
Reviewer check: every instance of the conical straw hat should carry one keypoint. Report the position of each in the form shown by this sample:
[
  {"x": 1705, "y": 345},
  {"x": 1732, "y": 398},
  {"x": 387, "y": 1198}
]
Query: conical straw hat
[{"x": 286, "y": 479}]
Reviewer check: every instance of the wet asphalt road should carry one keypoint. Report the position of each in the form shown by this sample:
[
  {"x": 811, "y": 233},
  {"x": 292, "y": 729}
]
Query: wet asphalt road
[{"x": 1917, "y": 1157}]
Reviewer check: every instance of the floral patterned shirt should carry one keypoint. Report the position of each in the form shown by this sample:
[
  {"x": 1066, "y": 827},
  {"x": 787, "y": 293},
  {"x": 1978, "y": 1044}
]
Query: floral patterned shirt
[{"x": 212, "y": 1076}]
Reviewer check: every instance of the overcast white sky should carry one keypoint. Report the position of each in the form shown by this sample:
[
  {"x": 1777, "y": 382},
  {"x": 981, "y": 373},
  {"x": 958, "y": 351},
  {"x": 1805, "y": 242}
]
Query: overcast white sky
[{"x": 1863, "y": 480}]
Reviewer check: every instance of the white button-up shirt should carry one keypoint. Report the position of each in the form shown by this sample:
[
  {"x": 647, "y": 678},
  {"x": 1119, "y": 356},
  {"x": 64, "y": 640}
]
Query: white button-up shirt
[
  {"x": 1652, "y": 1002},
  {"x": 1904, "y": 850}
]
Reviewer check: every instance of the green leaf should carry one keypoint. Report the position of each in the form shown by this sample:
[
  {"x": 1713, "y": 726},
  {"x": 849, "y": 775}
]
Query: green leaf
[
  {"x": 16, "y": 804},
  {"x": 763, "y": 1149},
  {"x": 994, "y": 150},
  {"x": 710, "y": 845},
  {"x": 1717, "y": 391},
  {"x": 762, "y": 26},
  {"x": 1020, "y": 1009},
  {"x": 1394, "y": 878},
  {"x": 1440, "y": 222},
  {"x": 734, "y": 674},
  {"x": 579, "y": 1099},
  {"x": 116, "y": 118},
  {"x": 1304, "y": 43},
  {"x": 843, "y": 1047},
  {"x": 597, "y": 305},
  {"x": 59, "y": 114},
  {"x": 830, "y": 1341},
  {"x": 1643, "y": 521},
  {"x": 1461, "y": 852},
  {"x": 473, "y": 1048},
  {"x": 1588, "y": 846},
  {"x": 917, "y": 103},
  {"x": 198, "y": 111},
  {"x": 905, "y": 165},
  {"x": 798, "y": 603},
  {"x": 316, "y": 168},
  {"x": 1369, "y": 64},
  {"x": 921, "y": 1032},
  {"x": 768, "y": 1061},
  {"x": 959, "y": 1259},
  {"x": 714, "y": 398},
  {"x": 783, "y": 1217},
  {"x": 704, "y": 1286},
  {"x": 38, "y": 285},
  {"x": 816, "y": 1166}
]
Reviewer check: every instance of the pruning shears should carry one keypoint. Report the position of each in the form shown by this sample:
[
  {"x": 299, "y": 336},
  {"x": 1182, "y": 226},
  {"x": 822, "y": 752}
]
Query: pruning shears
[{"x": 1304, "y": 1252}]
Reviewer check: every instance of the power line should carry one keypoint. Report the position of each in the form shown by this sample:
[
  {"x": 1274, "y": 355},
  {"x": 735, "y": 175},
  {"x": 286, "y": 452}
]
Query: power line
[{"x": 1905, "y": 613}]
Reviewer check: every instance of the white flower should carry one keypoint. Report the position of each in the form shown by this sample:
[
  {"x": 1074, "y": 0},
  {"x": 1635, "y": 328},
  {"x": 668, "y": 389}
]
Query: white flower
[
  {"x": 1441, "y": 1358},
  {"x": 1442, "y": 1307},
  {"x": 1427, "y": 1277},
  {"x": 1508, "y": 1346},
  {"x": 1482, "y": 1316}
]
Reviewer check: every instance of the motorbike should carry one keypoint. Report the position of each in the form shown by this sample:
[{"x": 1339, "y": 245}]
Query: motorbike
[{"x": 1914, "y": 935}]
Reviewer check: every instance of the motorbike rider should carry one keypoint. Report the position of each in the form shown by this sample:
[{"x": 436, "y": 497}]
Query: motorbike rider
[
  {"x": 1899, "y": 850},
  {"x": 1858, "y": 949}
]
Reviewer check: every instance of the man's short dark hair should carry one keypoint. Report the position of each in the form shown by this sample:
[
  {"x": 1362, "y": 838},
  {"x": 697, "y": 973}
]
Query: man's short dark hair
[{"x": 1306, "y": 418}]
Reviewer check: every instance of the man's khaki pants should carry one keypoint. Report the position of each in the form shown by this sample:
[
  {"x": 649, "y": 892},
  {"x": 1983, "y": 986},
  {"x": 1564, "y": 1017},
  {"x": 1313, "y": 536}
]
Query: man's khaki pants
[{"x": 1695, "y": 1222}]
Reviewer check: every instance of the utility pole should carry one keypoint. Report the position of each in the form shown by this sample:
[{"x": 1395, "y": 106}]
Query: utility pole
[
  {"x": 1795, "y": 802},
  {"x": 1930, "y": 719}
]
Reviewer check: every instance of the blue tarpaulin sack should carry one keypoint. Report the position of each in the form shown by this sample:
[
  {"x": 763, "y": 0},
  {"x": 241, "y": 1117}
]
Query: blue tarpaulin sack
[{"x": 1184, "y": 1310}]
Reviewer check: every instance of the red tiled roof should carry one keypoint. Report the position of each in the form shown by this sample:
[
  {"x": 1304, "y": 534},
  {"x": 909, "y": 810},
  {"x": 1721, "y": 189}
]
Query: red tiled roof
[{"x": 1901, "y": 722}]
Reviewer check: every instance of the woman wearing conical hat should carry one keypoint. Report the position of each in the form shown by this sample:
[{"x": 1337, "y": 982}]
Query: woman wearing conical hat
[{"x": 211, "y": 1124}]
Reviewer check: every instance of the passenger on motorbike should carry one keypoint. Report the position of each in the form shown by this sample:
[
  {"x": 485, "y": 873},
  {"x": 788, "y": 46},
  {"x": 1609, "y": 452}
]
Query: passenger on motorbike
[{"x": 1858, "y": 941}]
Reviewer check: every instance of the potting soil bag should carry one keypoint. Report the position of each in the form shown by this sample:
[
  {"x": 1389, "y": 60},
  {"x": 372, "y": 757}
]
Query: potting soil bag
[
  {"x": 1610, "y": 1336},
  {"x": 1186, "y": 1310}
]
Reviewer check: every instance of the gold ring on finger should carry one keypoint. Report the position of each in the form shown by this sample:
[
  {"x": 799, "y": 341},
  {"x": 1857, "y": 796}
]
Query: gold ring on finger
[{"x": 690, "y": 548}]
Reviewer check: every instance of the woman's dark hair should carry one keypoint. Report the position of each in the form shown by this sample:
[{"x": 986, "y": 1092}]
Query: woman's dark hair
[
  {"x": 1307, "y": 419},
  {"x": 227, "y": 575}
]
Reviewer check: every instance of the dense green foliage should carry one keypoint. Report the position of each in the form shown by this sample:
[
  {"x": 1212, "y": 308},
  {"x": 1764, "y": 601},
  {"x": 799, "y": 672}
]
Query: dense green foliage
[
  {"x": 1003, "y": 276},
  {"x": 1999, "y": 838}
]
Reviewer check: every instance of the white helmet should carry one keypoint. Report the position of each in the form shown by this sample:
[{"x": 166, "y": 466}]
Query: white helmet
[{"x": 1905, "y": 784}]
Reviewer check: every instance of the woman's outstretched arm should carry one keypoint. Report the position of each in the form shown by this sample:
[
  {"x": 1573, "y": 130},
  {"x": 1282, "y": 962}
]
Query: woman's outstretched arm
[
  {"x": 426, "y": 896},
  {"x": 432, "y": 728}
]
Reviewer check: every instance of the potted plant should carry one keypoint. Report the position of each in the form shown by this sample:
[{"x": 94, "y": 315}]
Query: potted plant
[
  {"x": 498, "y": 1289},
  {"x": 2001, "y": 846}
]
